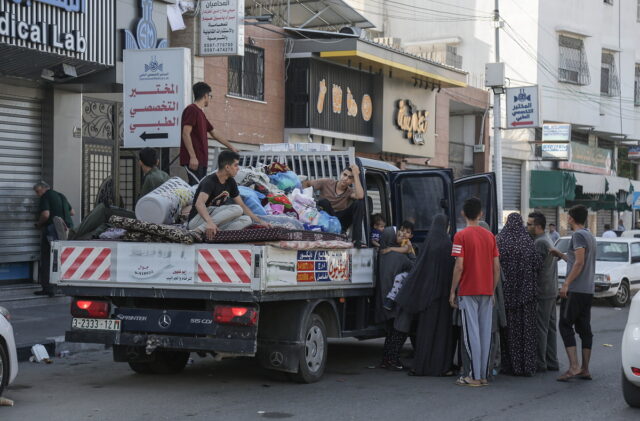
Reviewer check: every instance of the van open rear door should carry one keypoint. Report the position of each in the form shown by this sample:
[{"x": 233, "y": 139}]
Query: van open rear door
[
  {"x": 419, "y": 195},
  {"x": 482, "y": 186}
]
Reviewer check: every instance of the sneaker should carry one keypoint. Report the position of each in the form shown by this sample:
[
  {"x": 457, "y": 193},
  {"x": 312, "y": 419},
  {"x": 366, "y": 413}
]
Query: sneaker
[{"x": 62, "y": 231}]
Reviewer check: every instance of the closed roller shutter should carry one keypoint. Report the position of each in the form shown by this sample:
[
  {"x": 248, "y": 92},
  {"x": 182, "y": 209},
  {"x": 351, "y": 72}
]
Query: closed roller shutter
[
  {"x": 551, "y": 214},
  {"x": 604, "y": 217},
  {"x": 20, "y": 169},
  {"x": 511, "y": 183}
]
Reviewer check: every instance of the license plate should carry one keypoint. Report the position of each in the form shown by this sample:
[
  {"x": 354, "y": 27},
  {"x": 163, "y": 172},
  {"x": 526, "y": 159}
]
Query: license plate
[{"x": 95, "y": 324}]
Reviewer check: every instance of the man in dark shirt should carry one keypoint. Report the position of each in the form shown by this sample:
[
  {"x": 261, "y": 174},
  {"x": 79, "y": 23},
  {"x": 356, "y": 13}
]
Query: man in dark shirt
[
  {"x": 52, "y": 204},
  {"x": 209, "y": 213},
  {"x": 340, "y": 199},
  {"x": 194, "y": 148},
  {"x": 547, "y": 294},
  {"x": 154, "y": 177}
]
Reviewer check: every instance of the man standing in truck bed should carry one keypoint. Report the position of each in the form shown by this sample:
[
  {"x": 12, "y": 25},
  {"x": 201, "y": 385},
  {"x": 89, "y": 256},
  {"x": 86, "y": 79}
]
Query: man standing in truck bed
[{"x": 340, "y": 199}]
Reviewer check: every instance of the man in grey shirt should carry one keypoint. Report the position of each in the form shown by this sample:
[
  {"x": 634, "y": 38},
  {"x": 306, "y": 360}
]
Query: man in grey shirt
[
  {"x": 577, "y": 294},
  {"x": 547, "y": 294},
  {"x": 553, "y": 234}
]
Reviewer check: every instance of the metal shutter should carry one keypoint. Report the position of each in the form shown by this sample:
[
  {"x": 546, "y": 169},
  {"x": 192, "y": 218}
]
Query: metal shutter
[
  {"x": 551, "y": 214},
  {"x": 20, "y": 169},
  {"x": 604, "y": 217},
  {"x": 511, "y": 182}
]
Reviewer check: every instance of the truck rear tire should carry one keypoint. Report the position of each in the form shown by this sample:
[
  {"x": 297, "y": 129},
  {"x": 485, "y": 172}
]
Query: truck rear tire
[
  {"x": 313, "y": 355},
  {"x": 163, "y": 362}
]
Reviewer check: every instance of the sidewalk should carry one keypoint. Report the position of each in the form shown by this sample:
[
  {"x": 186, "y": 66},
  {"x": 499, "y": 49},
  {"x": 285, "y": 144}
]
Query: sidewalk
[{"x": 36, "y": 319}]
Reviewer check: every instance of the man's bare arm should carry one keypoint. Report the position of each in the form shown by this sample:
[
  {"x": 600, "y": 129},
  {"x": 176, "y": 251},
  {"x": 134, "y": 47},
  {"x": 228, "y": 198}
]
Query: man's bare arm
[
  {"x": 496, "y": 272},
  {"x": 457, "y": 274},
  {"x": 186, "y": 139}
]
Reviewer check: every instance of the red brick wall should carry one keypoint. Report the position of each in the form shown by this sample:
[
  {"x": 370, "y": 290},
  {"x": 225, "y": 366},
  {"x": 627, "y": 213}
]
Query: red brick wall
[{"x": 240, "y": 120}]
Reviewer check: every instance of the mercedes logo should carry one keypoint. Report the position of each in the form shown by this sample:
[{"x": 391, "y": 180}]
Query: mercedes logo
[
  {"x": 164, "y": 321},
  {"x": 276, "y": 358}
]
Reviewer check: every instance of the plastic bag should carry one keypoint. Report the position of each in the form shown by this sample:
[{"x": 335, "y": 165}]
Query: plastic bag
[
  {"x": 335, "y": 226},
  {"x": 252, "y": 199},
  {"x": 273, "y": 209},
  {"x": 310, "y": 216},
  {"x": 329, "y": 223},
  {"x": 301, "y": 201},
  {"x": 286, "y": 181},
  {"x": 283, "y": 221}
]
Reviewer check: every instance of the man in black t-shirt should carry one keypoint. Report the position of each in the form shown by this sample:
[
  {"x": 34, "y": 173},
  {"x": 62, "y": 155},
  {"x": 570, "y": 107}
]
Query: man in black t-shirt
[{"x": 209, "y": 213}]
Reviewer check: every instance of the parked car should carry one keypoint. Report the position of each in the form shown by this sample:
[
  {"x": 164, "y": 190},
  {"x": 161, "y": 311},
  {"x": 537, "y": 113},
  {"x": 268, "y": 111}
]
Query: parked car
[
  {"x": 617, "y": 268},
  {"x": 8, "y": 354},
  {"x": 631, "y": 356},
  {"x": 631, "y": 234}
]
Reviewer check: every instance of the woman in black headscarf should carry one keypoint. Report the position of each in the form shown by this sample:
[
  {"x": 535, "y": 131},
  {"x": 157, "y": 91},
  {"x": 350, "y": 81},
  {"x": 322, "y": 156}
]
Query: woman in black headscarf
[
  {"x": 520, "y": 264},
  {"x": 426, "y": 293},
  {"x": 398, "y": 322}
]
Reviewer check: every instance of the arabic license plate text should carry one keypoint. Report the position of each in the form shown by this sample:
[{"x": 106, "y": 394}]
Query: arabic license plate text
[{"x": 95, "y": 324}]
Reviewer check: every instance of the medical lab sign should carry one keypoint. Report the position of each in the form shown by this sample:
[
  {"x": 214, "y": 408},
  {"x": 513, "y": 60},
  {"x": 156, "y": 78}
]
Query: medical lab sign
[
  {"x": 522, "y": 107},
  {"x": 156, "y": 90},
  {"x": 221, "y": 27},
  {"x": 556, "y": 151},
  {"x": 634, "y": 152}
]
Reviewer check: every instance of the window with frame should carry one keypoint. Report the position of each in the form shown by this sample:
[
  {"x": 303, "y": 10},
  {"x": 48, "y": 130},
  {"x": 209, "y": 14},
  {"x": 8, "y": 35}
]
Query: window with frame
[
  {"x": 609, "y": 81},
  {"x": 636, "y": 87},
  {"x": 246, "y": 74},
  {"x": 573, "y": 66}
]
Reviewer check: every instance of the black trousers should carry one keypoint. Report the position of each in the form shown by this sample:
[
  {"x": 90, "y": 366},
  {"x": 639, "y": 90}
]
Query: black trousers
[
  {"x": 575, "y": 312},
  {"x": 48, "y": 235},
  {"x": 351, "y": 216},
  {"x": 393, "y": 343},
  {"x": 195, "y": 176}
]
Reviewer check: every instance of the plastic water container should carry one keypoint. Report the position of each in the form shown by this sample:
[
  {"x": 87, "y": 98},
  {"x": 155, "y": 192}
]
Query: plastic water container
[{"x": 162, "y": 205}]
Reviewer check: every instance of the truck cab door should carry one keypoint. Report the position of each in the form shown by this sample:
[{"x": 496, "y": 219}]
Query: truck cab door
[
  {"x": 419, "y": 195},
  {"x": 482, "y": 186}
]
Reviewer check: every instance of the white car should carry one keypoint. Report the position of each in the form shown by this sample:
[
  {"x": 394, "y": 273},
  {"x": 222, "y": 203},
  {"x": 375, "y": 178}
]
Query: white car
[
  {"x": 8, "y": 353},
  {"x": 617, "y": 268},
  {"x": 631, "y": 356}
]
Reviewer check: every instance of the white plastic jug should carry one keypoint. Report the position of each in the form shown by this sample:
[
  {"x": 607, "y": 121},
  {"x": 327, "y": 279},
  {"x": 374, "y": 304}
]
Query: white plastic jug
[{"x": 163, "y": 204}]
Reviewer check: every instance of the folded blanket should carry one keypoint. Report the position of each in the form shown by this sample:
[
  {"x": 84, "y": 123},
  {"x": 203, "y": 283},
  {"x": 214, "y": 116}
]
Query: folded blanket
[{"x": 167, "y": 233}]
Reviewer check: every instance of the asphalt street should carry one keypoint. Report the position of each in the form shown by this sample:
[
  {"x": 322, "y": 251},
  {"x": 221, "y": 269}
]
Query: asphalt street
[{"x": 89, "y": 386}]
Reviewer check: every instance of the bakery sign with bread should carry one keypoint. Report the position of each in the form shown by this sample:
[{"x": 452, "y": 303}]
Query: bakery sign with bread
[
  {"x": 412, "y": 121},
  {"x": 341, "y": 99}
]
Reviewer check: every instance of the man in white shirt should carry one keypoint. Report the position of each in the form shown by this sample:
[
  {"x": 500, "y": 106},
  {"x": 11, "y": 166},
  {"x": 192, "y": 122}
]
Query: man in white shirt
[{"x": 608, "y": 232}]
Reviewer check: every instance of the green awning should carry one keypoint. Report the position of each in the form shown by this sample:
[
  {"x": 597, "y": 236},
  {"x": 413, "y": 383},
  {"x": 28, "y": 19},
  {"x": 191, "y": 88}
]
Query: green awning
[{"x": 550, "y": 189}]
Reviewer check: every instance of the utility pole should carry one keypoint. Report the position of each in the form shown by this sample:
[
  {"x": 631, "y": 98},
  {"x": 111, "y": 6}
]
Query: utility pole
[{"x": 497, "y": 120}]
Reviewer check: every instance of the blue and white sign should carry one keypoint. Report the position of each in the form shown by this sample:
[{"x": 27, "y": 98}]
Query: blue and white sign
[
  {"x": 635, "y": 204},
  {"x": 68, "y": 5},
  {"x": 522, "y": 107},
  {"x": 221, "y": 27},
  {"x": 555, "y": 151},
  {"x": 634, "y": 152},
  {"x": 556, "y": 132}
]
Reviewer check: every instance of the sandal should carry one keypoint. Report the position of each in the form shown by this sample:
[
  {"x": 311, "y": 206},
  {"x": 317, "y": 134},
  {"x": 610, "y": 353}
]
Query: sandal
[
  {"x": 566, "y": 377},
  {"x": 587, "y": 376},
  {"x": 465, "y": 381}
]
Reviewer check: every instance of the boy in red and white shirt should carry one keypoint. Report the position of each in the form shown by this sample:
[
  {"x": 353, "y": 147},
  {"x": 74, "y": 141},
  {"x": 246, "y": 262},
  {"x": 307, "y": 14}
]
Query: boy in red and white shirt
[{"x": 475, "y": 277}]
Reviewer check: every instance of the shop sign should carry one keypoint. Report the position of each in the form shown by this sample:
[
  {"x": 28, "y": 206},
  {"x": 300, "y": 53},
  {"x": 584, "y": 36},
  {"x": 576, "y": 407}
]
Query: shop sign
[
  {"x": 555, "y": 151},
  {"x": 156, "y": 90},
  {"x": 587, "y": 159},
  {"x": 556, "y": 132},
  {"x": 522, "y": 107},
  {"x": 635, "y": 202},
  {"x": 634, "y": 152},
  {"x": 42, "y": 32},
  {"x": 222, "y": 28},
  {"x": 68, "y": 5},
  {"x": 411, "y": 121}
]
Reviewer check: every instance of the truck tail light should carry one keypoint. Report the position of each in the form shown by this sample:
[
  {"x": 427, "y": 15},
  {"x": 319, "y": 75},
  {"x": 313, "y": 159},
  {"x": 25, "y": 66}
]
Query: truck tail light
[
  {"x": 239, "y": 316},
  {"x": 635, "y": 371},
  {"x": 90, "y": 308}
]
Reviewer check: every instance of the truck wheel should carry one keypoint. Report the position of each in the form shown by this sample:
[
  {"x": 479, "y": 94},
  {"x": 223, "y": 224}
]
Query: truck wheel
[
  {"x": 622, "y": 296},
  {"x": 631, "y": 392},
  {"x": 4, "y": 367},
  {"x": 313, "y": 355},
  {"x": 164, "y": 362}
]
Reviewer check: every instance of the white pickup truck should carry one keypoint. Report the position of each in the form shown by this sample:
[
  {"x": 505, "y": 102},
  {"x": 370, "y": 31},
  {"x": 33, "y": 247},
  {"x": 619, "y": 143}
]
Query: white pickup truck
[{"x": 154, "y": 303}]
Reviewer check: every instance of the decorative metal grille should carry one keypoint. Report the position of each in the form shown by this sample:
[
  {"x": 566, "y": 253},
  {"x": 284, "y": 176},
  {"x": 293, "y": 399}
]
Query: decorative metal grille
[
  {"x": 573, "y": 66},
  {"x": 453, "y": 58},
  {"x": 97, "y": 119},
  {"x": 127, "y": 173},
  {"x": 609, "y": 81},
  {"x": 246, "y": 74},
  {"x": 98, "y": 167}
]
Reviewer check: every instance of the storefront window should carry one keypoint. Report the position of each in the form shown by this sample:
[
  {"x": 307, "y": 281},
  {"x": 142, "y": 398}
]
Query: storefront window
[
  {"x": 246, "y": 74},
  {"x": 626, "y": 167}
]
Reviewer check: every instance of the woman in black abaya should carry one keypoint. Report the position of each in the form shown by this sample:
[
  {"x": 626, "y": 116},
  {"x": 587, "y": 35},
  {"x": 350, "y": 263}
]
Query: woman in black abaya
[
  {"x": 398, "y": 322},
  {"x": 426, "y": 293}
]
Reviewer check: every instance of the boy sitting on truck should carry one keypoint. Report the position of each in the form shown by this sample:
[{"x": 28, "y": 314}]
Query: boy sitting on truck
[
  {"x": 210, "y": 212},
  {"x": 405, "y": 234},
  {"x": 340, "y": 199},
  {"x": 378, "y": 225}
]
